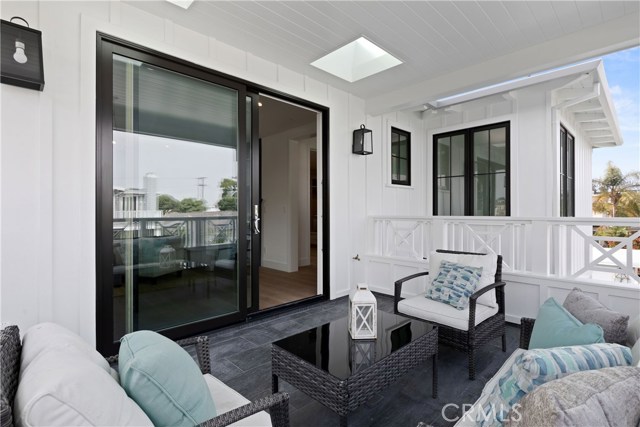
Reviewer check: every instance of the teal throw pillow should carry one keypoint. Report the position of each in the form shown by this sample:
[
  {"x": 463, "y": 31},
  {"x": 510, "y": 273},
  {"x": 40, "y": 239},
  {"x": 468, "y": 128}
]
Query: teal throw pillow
[
  {"x": 163, "y": 380},
  {"x": 539, "y": 366},
  {"x": 454, "y": 284},
  {"x": 556, "y": 327}
]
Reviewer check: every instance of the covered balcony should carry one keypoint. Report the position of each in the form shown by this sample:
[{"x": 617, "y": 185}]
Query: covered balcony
[{"x": 482, "y": 117}]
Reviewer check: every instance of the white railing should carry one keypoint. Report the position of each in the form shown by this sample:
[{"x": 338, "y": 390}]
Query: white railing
[
  {"x": 556, "y": 247},
  {"x": 401, "y": 237}
]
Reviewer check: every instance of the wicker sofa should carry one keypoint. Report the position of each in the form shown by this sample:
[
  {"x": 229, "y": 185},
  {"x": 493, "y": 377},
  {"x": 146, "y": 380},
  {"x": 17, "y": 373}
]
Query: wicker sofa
[
  {"x": 468, "y": 419},
  {"x": 232, "y": 407}
]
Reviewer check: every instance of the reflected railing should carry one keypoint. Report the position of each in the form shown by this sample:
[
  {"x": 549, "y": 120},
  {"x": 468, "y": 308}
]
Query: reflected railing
[
  {"x": 599, "y": 249},
  {"x": 194, "y": 230}
]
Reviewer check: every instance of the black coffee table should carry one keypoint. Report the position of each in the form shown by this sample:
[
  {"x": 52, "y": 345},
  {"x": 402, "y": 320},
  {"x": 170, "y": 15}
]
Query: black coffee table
[{"x": 341, "y": 373}]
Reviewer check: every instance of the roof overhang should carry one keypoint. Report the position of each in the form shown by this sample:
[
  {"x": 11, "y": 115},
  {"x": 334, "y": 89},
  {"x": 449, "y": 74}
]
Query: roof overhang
[{"x": 586, "y": 97}]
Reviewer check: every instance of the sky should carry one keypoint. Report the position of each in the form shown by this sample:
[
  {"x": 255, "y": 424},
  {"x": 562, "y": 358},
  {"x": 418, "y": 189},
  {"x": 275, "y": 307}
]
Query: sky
[
  {"x": 177, "y": 165},
  {"x": 623, "y": 75}
]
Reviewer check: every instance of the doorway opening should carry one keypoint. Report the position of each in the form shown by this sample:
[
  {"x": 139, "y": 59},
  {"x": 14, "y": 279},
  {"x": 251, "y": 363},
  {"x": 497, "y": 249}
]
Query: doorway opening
[{"x": 289, "y": 176}]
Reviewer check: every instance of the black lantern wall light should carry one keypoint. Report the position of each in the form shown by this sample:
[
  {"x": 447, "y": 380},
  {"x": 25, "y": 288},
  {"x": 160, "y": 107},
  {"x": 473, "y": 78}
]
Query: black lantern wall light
[
  {"x": 21, "y": 60},
  {"x": 362, "y": 141}
]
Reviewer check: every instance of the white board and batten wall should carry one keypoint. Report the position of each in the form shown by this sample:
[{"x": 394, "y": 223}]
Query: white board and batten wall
[
  {"x": 48, "y": 155},
  {"x": 48, "y": 162}
]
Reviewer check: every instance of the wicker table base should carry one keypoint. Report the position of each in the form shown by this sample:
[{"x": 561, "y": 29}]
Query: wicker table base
[{"x": 344, "y": 396}]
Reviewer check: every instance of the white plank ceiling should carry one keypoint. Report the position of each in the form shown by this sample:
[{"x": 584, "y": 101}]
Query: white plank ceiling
[{"x": 432, "y": 38}]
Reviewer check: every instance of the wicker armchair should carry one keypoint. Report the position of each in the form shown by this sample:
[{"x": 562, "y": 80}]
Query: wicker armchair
[
  {"x": 477, "y": 334},
  {"x": 10, "y": 349}
]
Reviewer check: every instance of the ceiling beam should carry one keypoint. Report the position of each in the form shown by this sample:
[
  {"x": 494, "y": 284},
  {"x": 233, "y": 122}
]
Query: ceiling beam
[
  {"x": 573, "y": 93},
  {"x": 591, "y": 126},
  {"x": 585, "y": 108},
  {"x": 583, "y": 95},
  {"x": 599, "y": 134},
  {"x": 590, "y": 117}
]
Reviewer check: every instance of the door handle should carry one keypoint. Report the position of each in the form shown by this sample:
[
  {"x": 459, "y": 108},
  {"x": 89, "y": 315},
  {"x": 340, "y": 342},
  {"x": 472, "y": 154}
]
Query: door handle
[{"x": 256, "y": 219}]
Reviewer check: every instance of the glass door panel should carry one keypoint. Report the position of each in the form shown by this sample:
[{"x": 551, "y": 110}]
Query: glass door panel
[{"x": 175, "y": 199}]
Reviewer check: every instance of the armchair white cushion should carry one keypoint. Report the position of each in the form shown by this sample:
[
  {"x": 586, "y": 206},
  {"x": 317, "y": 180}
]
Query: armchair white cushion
[{"x": 444, "y": 314}]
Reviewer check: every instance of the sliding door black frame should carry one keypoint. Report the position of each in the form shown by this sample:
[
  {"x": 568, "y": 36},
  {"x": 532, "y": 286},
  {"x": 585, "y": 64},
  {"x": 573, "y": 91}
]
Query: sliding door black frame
[{"x": 107, "y": 45}]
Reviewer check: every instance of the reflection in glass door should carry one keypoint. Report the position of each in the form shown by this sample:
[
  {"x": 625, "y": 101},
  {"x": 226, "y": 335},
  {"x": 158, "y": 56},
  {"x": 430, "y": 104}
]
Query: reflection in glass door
[{"x": 176, "y": 237}]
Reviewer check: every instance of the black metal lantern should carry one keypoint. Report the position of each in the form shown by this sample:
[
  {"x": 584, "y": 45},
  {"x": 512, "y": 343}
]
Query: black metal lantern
[
  {"x": 362, "y": 141},
  {"x": 21, "y": 60}
]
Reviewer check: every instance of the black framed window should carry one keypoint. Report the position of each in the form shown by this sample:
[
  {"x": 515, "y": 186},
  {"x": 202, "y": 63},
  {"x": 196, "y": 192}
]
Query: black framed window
[
  {"x": 471, "y": 171},
  {"x": 567, "y": 173},
  {"x": 400, "y": 157}
]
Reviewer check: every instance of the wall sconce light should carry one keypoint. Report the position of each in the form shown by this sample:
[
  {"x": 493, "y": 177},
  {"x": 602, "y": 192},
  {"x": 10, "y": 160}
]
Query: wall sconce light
[
  {"x": 362, "y": 141},
  {"x": 21, "y": 55}
]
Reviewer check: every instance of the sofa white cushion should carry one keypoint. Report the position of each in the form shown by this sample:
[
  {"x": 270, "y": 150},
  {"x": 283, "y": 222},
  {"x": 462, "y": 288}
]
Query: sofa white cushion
[
  {"x": 66, "y": 388},
  {"x": 49, "y": 336},
  {"x": 488, "y": 263},
  {"x": 435, "y": 311},
  {"x": 226, "y": 399}
]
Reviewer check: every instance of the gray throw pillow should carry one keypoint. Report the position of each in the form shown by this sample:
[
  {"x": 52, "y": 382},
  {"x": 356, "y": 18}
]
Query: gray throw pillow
[
  {"x": 589, "y": 310},
  {"x": 609, "y": 396},
  {"x": 633, "y": 331}
]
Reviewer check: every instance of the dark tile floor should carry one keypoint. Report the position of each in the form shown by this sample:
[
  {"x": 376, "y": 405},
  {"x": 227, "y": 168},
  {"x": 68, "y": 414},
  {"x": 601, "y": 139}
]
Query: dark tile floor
[{"x": 241, "y": 357}]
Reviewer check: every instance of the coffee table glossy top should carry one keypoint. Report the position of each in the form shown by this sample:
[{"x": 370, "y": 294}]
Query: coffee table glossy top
[{"x": 330, "y": 347}]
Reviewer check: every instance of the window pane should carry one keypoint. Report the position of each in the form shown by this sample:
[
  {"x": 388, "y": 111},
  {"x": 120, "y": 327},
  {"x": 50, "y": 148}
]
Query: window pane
[
  {"x": 570, "y": 198},
  {"x": 481, "y": 197},
  {"x": 403, "y": 148},
  {"x": 394, "y": 149},
  {"x": 402, "y": 170},
  {"x": 570, "y": 155},
  {"x": 444, "y": 196},
  {"x": 394, "y": 168},
  {"x": 457, "y": 155},
  {"x": 563, "y": 202},
  {"x": 563, "y": 153},
  {"x": 498, "y": 139},
  {"x": 499, "y": 194},
  {"x": 175, "y": 141},
  {"x": 444, "y": 147},
  {"x": 481, "y": 151},
  {"x": 457, "y": 196}
]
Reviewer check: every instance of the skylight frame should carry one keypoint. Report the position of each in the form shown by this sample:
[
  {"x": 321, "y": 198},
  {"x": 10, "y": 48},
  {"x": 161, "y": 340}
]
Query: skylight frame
[
  {"x": 357, "y": 60},
  {"x": 185, "y": 4}
]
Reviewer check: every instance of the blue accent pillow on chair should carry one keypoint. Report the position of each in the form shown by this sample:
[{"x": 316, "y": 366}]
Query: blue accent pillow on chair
[
  {"x": 556, "y": 327},
  {"x": 454, "y": 284},
  {"x": 164, "y": 380}
]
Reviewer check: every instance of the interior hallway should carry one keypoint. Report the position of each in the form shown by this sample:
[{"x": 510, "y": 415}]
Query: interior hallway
[{"x": 278, "y": 287}]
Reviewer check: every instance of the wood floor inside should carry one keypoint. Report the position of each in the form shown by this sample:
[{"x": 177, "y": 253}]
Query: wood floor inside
[{"x": 278, "y": 287}]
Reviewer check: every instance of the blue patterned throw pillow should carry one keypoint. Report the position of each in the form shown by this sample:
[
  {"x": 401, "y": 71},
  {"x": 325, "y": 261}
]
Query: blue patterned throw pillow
[
  {"x": 454, "y": 284},
  {"x": 539, "y": 366}
]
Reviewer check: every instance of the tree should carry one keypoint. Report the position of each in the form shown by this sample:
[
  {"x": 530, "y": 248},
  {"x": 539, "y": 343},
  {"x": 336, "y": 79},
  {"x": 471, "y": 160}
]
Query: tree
[
  {"x": 167, "y": 203},
  {"x": 192, "y": 205},
  {"x": 616, "y": 192},
  {"x": 229, "y": 198}
]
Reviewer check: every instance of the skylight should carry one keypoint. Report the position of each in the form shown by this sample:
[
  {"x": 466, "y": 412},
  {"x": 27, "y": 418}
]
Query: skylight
[
  {"x": 357, "y": 60},
  {"x": 182, "y": 3}
]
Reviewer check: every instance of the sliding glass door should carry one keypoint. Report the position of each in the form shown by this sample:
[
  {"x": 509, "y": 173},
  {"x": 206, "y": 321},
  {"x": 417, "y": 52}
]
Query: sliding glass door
[{"x": 172, "y": 252}]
